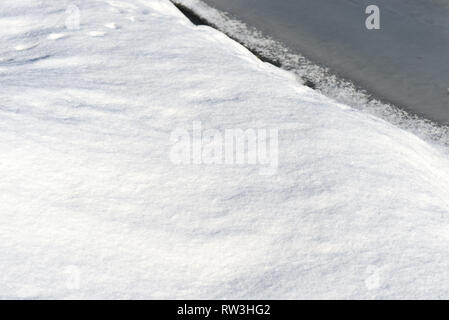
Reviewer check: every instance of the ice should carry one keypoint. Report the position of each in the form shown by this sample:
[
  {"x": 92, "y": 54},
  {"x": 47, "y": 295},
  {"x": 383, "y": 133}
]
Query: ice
[{"x": 92, "y": 207}]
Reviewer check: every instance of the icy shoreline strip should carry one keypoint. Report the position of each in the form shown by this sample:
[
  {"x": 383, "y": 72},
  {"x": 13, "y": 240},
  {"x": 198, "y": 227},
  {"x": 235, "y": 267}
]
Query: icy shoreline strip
[{"x": 328, "y": 84}]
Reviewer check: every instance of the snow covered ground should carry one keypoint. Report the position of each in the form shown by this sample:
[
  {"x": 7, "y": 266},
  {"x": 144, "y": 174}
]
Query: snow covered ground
[{"x": 93, "y": 206}]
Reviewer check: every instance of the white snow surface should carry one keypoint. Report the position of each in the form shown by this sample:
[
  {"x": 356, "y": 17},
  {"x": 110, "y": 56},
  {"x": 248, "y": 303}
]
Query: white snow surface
[{"x": 92, "y": 207}]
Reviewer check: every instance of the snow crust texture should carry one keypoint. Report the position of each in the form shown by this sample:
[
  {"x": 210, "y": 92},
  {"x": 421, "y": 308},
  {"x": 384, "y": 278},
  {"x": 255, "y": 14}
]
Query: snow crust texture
[{"x": 91, "y": 206}]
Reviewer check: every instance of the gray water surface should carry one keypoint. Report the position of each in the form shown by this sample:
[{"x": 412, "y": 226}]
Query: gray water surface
[{"x": 406, "y": 62}]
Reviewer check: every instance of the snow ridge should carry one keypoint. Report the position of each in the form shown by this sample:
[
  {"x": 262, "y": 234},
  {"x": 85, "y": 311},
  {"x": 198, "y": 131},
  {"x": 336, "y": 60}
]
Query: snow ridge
[{"x": 92, "y": 207}]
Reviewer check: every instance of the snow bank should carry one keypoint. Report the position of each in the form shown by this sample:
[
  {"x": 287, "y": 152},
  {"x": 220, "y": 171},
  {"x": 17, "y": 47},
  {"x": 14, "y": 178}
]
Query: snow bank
[{"x": 92, "y": 206}]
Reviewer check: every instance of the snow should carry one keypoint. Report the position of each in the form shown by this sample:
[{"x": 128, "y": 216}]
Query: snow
[{"x": 92, "y": 206}]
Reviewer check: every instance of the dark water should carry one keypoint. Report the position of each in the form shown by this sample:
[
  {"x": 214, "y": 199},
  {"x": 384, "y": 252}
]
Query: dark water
[{"x": 406, "y": 62}]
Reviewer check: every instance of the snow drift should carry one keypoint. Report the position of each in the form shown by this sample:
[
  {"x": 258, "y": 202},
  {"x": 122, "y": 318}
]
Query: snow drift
[{"x": 92, "y": 207}]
